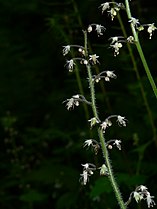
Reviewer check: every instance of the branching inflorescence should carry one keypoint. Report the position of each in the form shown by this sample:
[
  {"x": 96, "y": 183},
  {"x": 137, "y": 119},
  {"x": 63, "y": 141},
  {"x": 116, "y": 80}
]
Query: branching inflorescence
[{"x": 89, "y": 60}]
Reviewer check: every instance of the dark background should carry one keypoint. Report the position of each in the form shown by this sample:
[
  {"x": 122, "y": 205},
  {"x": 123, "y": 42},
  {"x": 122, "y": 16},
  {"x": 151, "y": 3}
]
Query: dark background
[{"x": 41, "y": 142}]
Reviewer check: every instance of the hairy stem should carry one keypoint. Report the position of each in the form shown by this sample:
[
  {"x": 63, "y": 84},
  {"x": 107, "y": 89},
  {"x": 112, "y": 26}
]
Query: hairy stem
[
  {"x": 101, "y": 135},
  {"x": 140, "y": 51}
]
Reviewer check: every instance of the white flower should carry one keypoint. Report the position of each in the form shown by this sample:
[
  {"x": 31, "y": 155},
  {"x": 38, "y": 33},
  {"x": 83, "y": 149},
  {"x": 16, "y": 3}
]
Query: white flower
[
  {"x": 70, "y": 65},
  {"x": 93, "y": 58},
  {"x": 134, "y": 21},
  {"x": 88, "y": 142},
  {"x": 138, "y": 197},
  {"x": 89, "y": 29},
  {"x": 116, "y": 47},
  {"x": 82, "y": 51},
  {"x": 140, "y": 27},
  {"x": 121, "y": 120},
  {"x": 104, "y": 170},
  {"x": 99, "y": 29},
  {"x": 110, "y": 74},
  {"x": 105, "y": 6},
  {"x": 117, "y": 143},
  {"x": 112, "y": 12},
  {"x": 72, "y": 102},
  {"x": 150, "y": 201},
  {"x": 88, "y": 169},
  {"x": 84, "y": 177},
  {"x": 66, "y": 50},
  {"x": 93, "y": 121},
  {"x": 143, "y": 188},
  {"x": 97, "y": 79},
  {"x": 130, "y": 39},
  {"x": 104, "y": 125},
  {"x": 76, "y": 96},
  {"x": 114, "y": 39},
  {"x": 85, "y": 62},
  {"x": 150, "y": 29}
]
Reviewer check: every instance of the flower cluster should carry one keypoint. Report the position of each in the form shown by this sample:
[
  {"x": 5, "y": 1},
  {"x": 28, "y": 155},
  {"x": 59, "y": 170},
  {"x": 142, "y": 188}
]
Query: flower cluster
[
  {"x": 107, "y": 122},
  {"x": 91, "y": 60},
  {"x": 88, "y": 169},
  {"x": 105, "y": 75},
  {"x": 98, "y": 28},
  {"x": 150, "y": 27},
  {"x": 92, "y": 143},
  {"x": 75, "y": 101},
  {"x": 93, "y": 121},
  {"x": 67, "y": 48},
  {"x": 141, "y": 193},
  {"x": 116, "y": 42},
  {"x": 112, "y": 8},
  {"x": 114, "y": 142}
]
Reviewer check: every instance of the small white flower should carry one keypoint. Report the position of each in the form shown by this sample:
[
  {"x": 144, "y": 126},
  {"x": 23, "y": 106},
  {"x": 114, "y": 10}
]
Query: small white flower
[
  {"x": 134, "y": 21},
  {"x": 138, "y": 197},
  {"x": 130, "y": 39},
  {"x": 76, "y": 96},
  {"x": 121, "y": 120},
  {"x": 82, "y": 51},
  {"x": 117, "y": 143},
  {"x": 84, "y": 177},
  {"x": 112, "y": 12},
  {"x": 66, "y": 50},
  {"x": 104, "y": 170},
  {"x": 88, "y": 142},
  {"x": 89, "y": 29},
  {"x": 70, "y": 65},
  {"x": 116, "y": 47},
  {"x": 97, "y": 79},
  {"x": 110, "y": 74},
  {"x": 85, "y": 166},
  {"x": 100, "y": 29},
  {"x": 93, "y": 121},
  {"x": 150, "y": 29},
  {"x": 143, "y": 188},
  {"x": 88, "y": 169},
  {"x": 93, "y": 58},
  {"x": 105, "y": 6},
  {"x": 85, "y": 62},
  {"x": 114, "y": 39},
  {"x": 150, "y": 201},
  {"x": 104, "y": 125},
  {"x": 72, "y": 102},
  {"x": 140, "y": 27}
]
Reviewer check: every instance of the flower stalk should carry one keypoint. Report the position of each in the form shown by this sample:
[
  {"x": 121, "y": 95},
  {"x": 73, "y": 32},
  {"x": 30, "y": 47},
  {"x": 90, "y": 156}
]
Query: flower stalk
[
  {"x": 139, "y": 49},
  {"x": 100, "y": 133}
]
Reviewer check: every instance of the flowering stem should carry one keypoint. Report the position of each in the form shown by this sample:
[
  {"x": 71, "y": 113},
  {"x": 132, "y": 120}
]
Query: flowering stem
[
  {"x": 101, "y": 135},
  {"x": 140, "y": 51},
  {"x": 143, "y": 93}
]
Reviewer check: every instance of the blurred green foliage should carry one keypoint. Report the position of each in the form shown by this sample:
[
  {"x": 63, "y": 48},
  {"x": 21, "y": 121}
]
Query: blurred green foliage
[{"x": 41, "y": 142}]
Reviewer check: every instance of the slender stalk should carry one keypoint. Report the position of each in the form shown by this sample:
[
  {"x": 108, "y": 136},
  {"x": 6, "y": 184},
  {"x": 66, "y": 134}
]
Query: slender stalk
[
  {"x": 140, "y": 51},
  {"x": 106, "y": 98},
  {"x": 101, "y": 135},
  {"x": 135, "y": 68}
]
